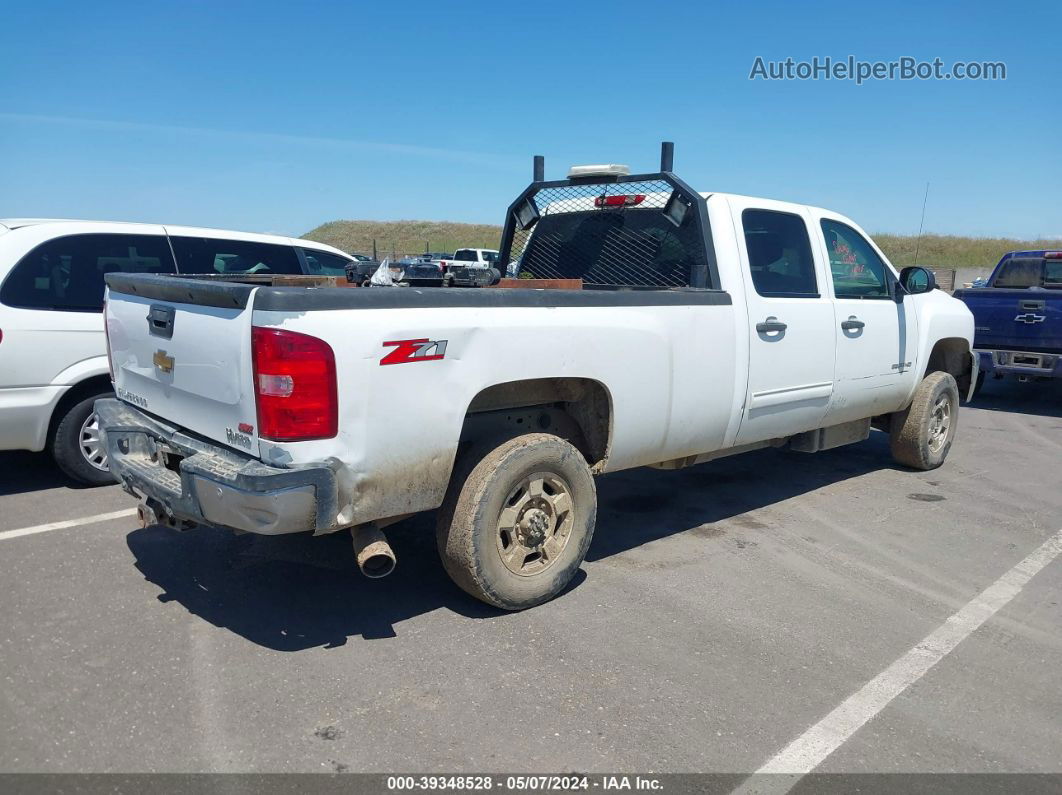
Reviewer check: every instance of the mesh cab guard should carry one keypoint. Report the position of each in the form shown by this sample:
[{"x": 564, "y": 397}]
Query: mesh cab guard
[{"x": 641, "y": 231}]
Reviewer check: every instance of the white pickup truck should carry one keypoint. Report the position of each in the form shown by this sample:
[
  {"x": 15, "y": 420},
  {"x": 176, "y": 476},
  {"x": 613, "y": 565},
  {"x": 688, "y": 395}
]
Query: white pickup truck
[
  {"x": 707, "y": 324},
  {"x": 472, "y": 258}
]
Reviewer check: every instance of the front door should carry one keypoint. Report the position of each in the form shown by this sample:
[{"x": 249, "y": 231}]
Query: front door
[
  {"x": 790, "y": 321},
  {"x": 876, "y": 337}
]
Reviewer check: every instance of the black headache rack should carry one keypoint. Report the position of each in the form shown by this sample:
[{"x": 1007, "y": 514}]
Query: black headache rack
[{"x": 612, "y": 231}]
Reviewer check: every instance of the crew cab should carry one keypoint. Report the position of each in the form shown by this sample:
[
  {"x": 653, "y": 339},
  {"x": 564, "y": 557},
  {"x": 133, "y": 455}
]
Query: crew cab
[
  {"x": 708, "y": 324},
  {"x": 53, "y": 362},
  {"x": 1018, "y": 316}
]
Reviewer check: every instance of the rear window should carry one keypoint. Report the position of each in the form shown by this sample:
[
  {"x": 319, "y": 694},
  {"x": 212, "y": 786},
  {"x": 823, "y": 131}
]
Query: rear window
[
  {"x": 325, "y": 263},
  {"x": 1053, "y": 273},
  {"x": 1020, "y": 272},
  {"x": 216, "y": 255},
  {"x": 629, "y": 248},
  {"x": 66, "y": 273}
]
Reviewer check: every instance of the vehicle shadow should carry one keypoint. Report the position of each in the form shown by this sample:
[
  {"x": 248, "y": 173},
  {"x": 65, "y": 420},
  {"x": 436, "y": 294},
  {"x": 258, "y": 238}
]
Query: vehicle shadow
[
  {"x": 1042, "y": 398},
  {"x": 295, "y": 592},
  {"x": 645, "y": 505},
  {"x": 289, "y": 593},
  {"x": 22, "y": 472}
]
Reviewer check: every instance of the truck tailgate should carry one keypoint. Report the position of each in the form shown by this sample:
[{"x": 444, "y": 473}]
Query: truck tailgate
[
  {"x": 1015, "y": 319},
  {"x": 181, "y": 350}
]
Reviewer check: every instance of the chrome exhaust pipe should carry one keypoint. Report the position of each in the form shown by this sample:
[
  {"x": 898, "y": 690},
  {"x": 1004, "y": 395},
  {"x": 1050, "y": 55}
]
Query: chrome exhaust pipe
[{"x": 374, "y": 555}]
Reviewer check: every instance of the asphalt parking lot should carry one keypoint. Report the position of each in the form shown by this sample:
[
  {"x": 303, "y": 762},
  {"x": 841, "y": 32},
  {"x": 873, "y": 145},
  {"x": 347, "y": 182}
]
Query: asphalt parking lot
[{"x": 723, "y": 611}]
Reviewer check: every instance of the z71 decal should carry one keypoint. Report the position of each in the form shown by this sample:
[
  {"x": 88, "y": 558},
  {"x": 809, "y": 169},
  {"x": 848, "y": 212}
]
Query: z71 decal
[{"x": 414, "y": 351}]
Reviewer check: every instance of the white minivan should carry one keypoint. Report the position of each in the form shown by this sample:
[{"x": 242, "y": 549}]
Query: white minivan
[{"x": 53, "y": 355}]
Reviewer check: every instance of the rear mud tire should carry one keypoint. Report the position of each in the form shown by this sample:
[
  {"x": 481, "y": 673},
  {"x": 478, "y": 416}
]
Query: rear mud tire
[{"x": 517, "y": 521}]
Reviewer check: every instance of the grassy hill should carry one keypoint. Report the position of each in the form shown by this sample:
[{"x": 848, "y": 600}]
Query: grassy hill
[
  {"x": 414, "y": 237},
  {"x": 405, "y": 237},
  {"x": 951, "y": 251}
]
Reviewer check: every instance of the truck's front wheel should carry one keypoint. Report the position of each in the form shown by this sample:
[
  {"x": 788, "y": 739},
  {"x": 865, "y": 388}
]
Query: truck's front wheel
[
  {"x": 921, "y": 435},
  {"x": 518, "y": 520}
]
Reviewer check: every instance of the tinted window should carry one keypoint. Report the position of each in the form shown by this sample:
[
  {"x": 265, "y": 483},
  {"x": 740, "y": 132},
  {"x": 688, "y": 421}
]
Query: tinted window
[
  {"x": 325, "y": 263},
  {"x": 213, "y": 255},
  {"x": 856, "y": 269},
  {"x": 464, "y": 255},
  {"x": 779, "y": 253},
  {"x": 1053, "y": 273},
  {"x": 67, "y": 273},
  {"x": 490, "y": 256},
  {"x": 1019, "y": 272}
]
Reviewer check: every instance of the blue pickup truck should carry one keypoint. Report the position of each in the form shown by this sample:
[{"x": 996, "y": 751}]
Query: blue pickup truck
[{"x": 1018, "y": 316}]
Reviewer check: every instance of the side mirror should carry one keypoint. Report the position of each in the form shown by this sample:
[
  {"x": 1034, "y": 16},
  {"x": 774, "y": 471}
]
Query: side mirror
[{"x": 916, "y": 280}]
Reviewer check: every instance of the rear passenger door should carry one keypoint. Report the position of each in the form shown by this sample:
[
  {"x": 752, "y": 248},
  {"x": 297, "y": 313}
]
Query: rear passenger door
[{"x": 790, "y": 321}]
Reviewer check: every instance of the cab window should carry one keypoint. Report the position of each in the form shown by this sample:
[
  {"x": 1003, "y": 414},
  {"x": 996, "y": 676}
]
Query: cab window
[
  {"x": 215, "y": 255},
  {"x": 779, "y": 254},
  {"x": 66, "y": 273},
  {"x": 464, "y": 255},
  {"x": 856, "y": 269}
]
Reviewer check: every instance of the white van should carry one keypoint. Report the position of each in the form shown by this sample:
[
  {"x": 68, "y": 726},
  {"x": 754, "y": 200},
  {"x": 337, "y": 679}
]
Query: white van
[{"x": 53, "y": 355}]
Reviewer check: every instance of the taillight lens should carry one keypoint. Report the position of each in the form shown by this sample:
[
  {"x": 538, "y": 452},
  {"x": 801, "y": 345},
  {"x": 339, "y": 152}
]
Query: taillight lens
[{"x": 294, "y": 386}]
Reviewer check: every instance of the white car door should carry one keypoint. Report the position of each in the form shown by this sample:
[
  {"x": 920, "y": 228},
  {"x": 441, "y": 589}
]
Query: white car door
[
  {"x": 790, "y": 321},
  {"x": 876, "y": 337}
]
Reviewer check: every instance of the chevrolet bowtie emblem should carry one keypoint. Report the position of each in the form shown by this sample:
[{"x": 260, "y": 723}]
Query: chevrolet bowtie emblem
[
  {"x": 163, "y": 362},
  {"x": 1029, "y": 317}
]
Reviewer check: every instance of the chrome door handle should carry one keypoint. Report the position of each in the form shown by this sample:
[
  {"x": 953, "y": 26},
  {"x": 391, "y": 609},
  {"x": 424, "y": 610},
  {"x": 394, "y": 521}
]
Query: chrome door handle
[
  {"x": 852, "y": 324},
  {"x": 771, "y": 324}
]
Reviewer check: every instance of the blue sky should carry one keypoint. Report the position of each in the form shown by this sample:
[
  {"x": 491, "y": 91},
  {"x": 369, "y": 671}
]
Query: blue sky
[{"x": 271, "y": 116}]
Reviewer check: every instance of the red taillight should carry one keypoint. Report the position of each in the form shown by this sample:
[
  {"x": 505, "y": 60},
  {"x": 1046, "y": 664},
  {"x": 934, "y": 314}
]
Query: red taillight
[
  {"x": 107, "y": 337},
  {"x": 1053, "y": 255},
  {"x": 294, "y": 386},
  {"x": 628, "y": 200}
]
